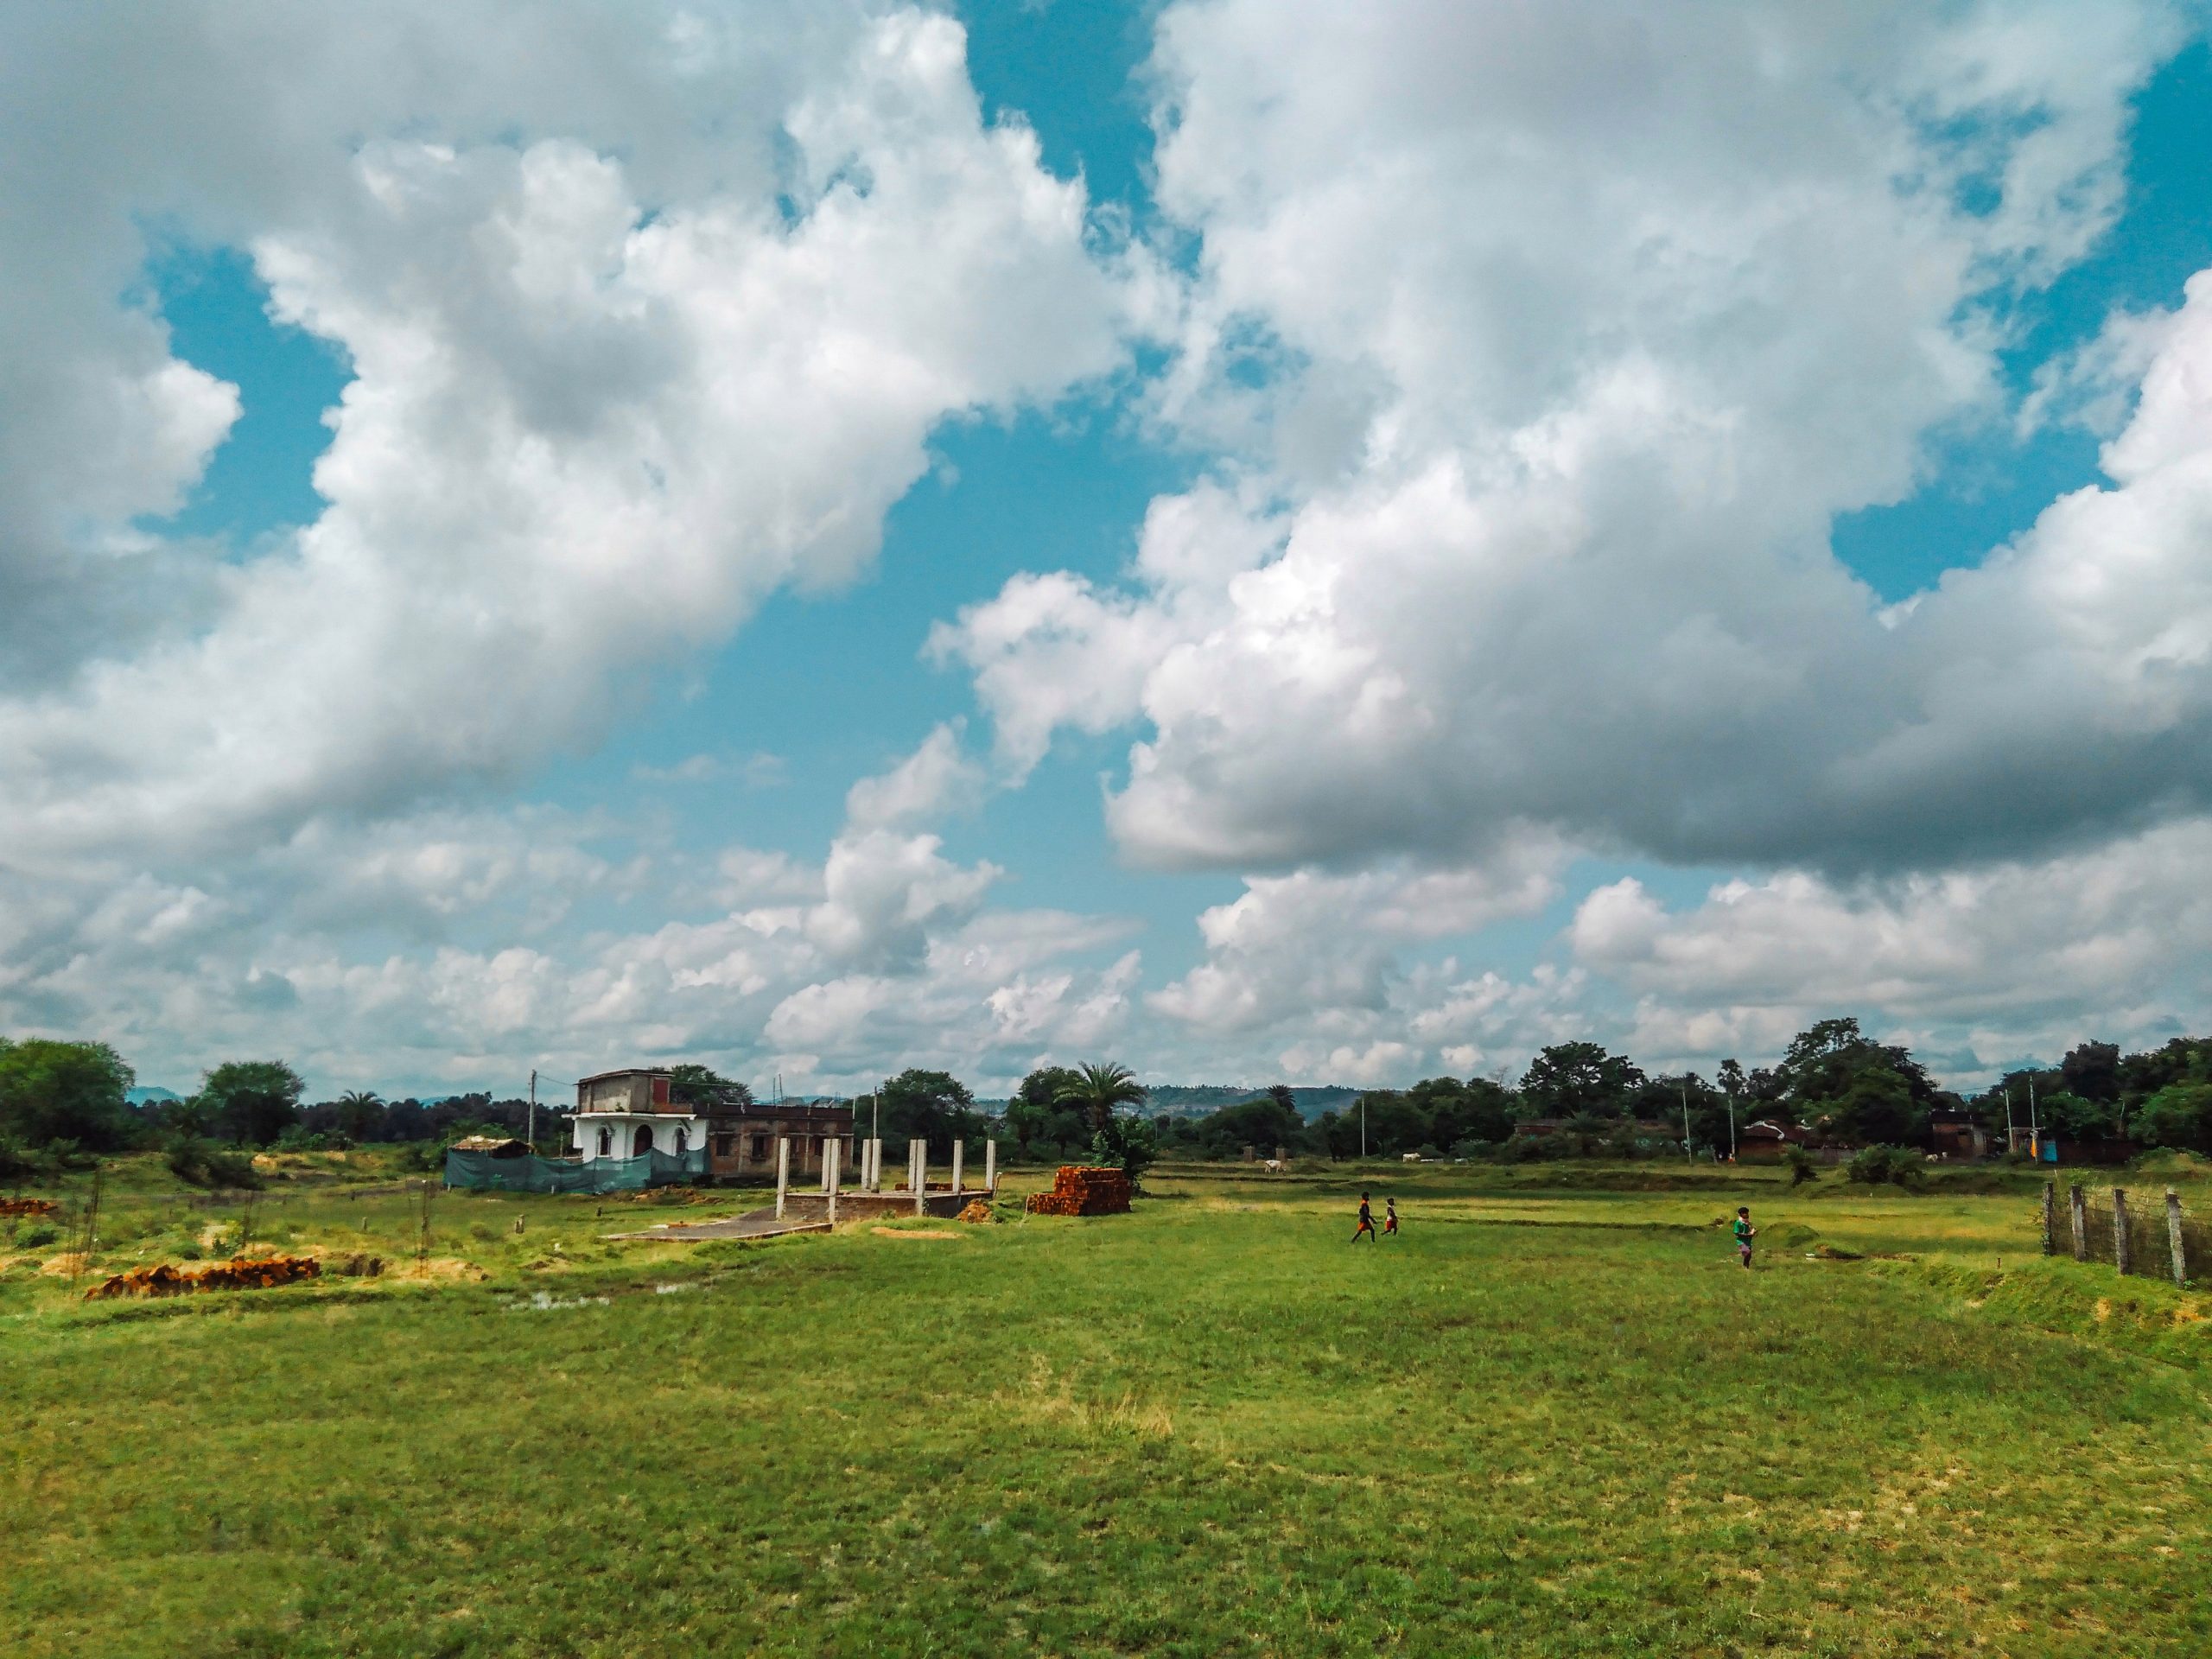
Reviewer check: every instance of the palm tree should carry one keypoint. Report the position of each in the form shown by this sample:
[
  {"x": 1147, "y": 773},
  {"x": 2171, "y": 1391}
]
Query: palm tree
[
  {"x": 1098, "y": 1089},
  {"x": 358, "y": 1111}
]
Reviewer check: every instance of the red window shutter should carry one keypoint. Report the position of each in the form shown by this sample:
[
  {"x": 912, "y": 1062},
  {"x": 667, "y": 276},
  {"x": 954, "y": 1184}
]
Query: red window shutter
[{"x": 660, "y": 1092}]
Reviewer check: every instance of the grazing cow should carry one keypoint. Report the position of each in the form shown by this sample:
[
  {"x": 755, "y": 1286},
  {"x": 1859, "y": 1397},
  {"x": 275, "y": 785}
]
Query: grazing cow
[{"x": 1273, "y": 1165}]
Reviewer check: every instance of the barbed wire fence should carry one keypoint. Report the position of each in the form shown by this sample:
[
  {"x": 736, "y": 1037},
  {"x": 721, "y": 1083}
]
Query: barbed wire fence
[{"x": 2138, "y": 1236}]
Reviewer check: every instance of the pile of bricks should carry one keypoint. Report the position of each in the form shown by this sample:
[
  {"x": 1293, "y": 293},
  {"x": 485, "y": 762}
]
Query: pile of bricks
[
  {"x": 255, "y": 1272},
  {"x": 28, "y": 1207},
  {"x": 1079, "y": 1190},
  {"x": 977, "y": 1213}
]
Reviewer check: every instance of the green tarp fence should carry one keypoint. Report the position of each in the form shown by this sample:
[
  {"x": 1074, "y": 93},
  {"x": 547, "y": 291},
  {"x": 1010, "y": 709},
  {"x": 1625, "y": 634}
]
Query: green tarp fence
[{"x": 534, "y": 1174}]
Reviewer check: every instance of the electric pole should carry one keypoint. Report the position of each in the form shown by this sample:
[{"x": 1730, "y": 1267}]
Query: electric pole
[{"x": 533, "y": 1112}]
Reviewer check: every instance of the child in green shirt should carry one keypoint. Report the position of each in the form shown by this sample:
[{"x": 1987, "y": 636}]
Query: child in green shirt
[{"x": 1744, "y": 1234}]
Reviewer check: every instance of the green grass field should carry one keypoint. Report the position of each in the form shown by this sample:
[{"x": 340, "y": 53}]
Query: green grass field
[{"x": 1553, "y": 1417}]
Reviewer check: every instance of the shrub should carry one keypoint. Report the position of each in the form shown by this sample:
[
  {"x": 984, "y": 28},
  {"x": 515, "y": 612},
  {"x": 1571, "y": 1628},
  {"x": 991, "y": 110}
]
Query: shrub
[
  {"x": 1802, "y": 1168},
  {"x": 1894, "y": 1165},
  {"x": 32, "y": 1238},
  {"x": 200, "y": 1162}
]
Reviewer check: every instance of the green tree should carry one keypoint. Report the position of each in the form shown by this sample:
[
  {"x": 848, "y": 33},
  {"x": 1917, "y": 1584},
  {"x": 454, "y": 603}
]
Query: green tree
[
  {"x": 53, "y": 1091},
  {"x": 691, "y": 1084},
  {"x": 250, "y": 1102},
  {"x": 1099, "y": 1088},
  {"x": 2092, "y": 1070},
  {"x": 1572, "y": 1079},
  {"x": 360, "y": 1114},
  {"x": 1035, "y": 1103},
  {"x": 924, "y": 1105},
  {"x": 2180, "y": 1115},
  {"x": 1876, "y": 1107}
]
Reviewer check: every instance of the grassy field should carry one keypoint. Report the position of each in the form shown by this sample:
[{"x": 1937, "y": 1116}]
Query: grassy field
[{"x": 1553, "y": 1417}]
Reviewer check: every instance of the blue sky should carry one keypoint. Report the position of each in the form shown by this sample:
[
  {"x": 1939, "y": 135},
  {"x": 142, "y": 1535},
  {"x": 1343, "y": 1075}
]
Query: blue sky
[{"x": 1482, "y": 672}]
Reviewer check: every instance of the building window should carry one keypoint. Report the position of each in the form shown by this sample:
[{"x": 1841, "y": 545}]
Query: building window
[
  {"x": 682, "y": 1140},
  {"x": 605, "y": 1141},
  {"x": 760, "y": 1148},
  {"x": 644, "y": 1141}
]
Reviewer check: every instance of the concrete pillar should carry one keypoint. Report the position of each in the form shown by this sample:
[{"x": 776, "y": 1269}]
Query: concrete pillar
[
  {"x": 830, "y": 1149},
  {"x": 991, "y": 1167},
  {"x": 2078, "y": 1211},
  {"x": 2174, "y": 1243},
  {"x": 782, "y": 1172},
  {"x": 921, "y": 1176},
  {"x": 875, "y": 1165},
  {"x": 959, "y": 1152},
  {"x": 2122, "y": 1245}
]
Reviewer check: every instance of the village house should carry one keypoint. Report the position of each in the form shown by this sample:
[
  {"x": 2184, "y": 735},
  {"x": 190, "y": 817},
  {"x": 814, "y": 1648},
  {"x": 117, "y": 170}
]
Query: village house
[{"x": 631, "y": 1112}]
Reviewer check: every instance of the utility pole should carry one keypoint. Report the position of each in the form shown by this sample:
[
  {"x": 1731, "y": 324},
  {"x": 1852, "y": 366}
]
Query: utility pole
[
  {"x": 1732, "y": 1128},
  {"x": 1687, "y": 1157},
  {"x": 533, "y": 1111},
  {"x": 1362, "y": 1129},
  {"x": 2035, "y": 1130}
]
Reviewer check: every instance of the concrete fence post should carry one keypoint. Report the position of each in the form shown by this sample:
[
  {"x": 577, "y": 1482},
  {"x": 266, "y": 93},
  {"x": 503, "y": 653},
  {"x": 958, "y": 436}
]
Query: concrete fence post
[
  {"x": 830, "y": 1149},
  {"x": 2120, "y": 1239},
  {"x": 921, "y": 1176},
  {"x": 991, "y": 1167},
  {"x": 782, "y": 1172},
  {"x": 876, "y": 1164},
  {"x": 2050, "y": 1217},
  {"x": 2174, "y": 1242},
  {"x": 959, "y": 1154},
  {"x": 2077, "y": 1210}
]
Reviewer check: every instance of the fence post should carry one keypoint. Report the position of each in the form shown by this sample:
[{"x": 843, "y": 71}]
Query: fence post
[
  {"x": 2078, "y": 1213},
  {"x": 782, "y": 1172},
  {"x": 2174, "y": 1238},
  {"x": 832, "y": 1176},
  {"x": 991, "y": 1167},
  {"x": 2051, "y": 1218},
  {"x": 2120, "y": 1239}
]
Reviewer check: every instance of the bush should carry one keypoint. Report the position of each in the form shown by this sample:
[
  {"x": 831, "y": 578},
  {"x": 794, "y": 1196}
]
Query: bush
[
  {"x": 1893, "y": 1166},
  {"x": 32, "y": 1238},
  {"x": 1802, "y": 1168},
  {"x": 199, "y": 1162}
]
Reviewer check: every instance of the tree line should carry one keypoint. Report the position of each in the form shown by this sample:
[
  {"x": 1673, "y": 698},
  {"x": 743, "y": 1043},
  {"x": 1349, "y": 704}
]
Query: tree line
[{"x": 61, "y": 1101}]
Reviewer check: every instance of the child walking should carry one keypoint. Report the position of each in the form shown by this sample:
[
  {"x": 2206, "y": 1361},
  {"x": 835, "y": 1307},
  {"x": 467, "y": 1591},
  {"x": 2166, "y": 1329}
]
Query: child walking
[
  {"x": 1744, "y": 1234},
  {"x": 1390, "y": 1216},
  {"x": 1366, "y": 1222}
]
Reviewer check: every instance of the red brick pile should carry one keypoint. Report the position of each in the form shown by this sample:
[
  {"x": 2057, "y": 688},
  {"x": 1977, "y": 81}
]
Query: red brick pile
[
  {"x": 28, "y": 1207},
  {"x": 254, "y": 1272},
  {"x": 1078, "y": 1191}
]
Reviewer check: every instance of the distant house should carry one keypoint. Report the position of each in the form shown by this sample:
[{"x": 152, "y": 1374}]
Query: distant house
[
  {"x": 1954, "y": 1134},
  {"x": 1769, "y": 1142},
  {"x": 632, "y": 1112}
]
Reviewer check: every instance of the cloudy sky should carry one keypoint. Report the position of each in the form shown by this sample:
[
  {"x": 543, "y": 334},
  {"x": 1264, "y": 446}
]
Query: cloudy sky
[{"x": 1267, "y": 540}]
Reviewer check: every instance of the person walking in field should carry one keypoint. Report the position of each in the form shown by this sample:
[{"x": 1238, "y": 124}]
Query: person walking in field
[
  {"x": 1390, "y": 1218},
  {"x": 1366, "y": 1222},
  {"x": 1744, "y": 1234}
]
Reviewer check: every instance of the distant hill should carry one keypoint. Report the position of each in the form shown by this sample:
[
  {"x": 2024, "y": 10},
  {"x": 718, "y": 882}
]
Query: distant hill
[
  {"x": 1196, "y": 1099},
  {"x": 150, "y": 1094}
]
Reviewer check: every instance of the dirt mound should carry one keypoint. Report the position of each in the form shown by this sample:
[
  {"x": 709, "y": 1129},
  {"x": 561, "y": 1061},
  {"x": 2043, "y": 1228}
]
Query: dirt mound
[
  {"x": 242, "y": 1273},
  {"x": 978, "y": 1212}
]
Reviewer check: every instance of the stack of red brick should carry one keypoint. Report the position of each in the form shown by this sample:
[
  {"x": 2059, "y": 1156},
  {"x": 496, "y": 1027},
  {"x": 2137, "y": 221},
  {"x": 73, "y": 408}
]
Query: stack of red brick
[
  {"x": 1078, "y": 1191},
  {"x": 28, "y": 1207}
]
